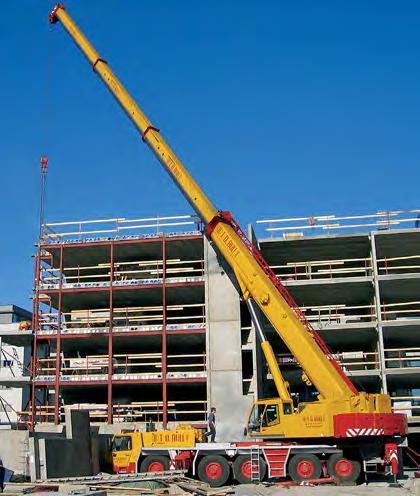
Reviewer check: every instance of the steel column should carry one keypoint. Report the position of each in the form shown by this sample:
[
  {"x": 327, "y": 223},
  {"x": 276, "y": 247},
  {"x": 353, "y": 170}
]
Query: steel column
[
  {"x": 35, "y": 320},
  {"x": 58, "y": 344},
  {"x": 110, "y": 343},
  {"x": 164, "y": 338}
]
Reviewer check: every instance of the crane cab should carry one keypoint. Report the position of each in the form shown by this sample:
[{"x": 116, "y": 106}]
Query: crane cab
[
  {"x": 269, "y": 417},
  {"x": 275, "y": 417}
]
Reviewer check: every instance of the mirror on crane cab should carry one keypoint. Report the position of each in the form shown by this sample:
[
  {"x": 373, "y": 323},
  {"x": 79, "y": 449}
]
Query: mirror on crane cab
[{"x": 266, "y": 417}]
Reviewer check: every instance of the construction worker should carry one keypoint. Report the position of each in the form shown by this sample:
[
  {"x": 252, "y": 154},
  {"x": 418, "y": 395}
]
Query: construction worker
[{"x": 212, "y": 425}]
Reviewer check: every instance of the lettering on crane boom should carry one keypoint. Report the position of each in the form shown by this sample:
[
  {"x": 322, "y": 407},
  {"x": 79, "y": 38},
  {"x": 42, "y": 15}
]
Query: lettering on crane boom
[
  {"x": 227, "y": 241},
  {"x": 170, "y": 162}
]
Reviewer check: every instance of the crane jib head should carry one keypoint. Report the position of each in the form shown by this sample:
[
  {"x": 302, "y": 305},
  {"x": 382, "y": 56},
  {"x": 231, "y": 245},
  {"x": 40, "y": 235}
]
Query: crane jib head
[{"x": 52, "y": 18}]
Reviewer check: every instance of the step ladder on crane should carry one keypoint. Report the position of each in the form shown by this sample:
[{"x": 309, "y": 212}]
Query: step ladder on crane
[{"x": 255, "y": 463}]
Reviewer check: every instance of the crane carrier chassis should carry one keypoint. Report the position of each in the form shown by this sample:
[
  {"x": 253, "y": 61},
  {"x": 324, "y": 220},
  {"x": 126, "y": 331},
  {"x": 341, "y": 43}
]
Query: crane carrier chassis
[{"x": 245, "y": 462}]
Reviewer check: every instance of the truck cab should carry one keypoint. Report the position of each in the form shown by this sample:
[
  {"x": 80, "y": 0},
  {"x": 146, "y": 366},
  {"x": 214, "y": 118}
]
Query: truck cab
[
  {"x": 125, "y": 450},
  {"x": 132, "y": 450}
]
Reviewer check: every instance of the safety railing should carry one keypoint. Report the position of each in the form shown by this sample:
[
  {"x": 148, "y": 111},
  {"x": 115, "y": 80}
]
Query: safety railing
[
  {"x": 89, "y": 367},
  {"x": 141, "y": 412},
  {"x": 399, "y": 265},
  {"x": 321, "y": 224},
  {"x": 358, "y": 360},
  {"x": 88, "y": 231},
  {"x": 186, "y": 366},
  {"x": 139, "y": 272},
  {"x": 145, "y": 411},
  {"x": 402, "y": 311},
  {"x": 43, "y": 414},
  {"x": 180, "y": 411},
  {"x": 322, "y": 316},
  {"x": 350, "y": 361},
  {"x": 324, "y": 269},
  {"x": 124, "y": 366},
  {"x": 187, "y": 316},
  {"x": 395, "y": 358},
  {"x": 401, "y": 358},
  {"x": 410, "y": 405}
]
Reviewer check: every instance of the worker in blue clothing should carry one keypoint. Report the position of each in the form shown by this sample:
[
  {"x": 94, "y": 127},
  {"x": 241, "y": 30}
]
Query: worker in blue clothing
[{"x": 212, "y": 425}]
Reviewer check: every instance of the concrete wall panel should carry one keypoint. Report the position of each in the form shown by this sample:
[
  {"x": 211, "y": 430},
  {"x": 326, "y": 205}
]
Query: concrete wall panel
[
  {"x": 232, "y": 406},
  {"x": 223, "y": 303},
  {"x": 224, "y": 351},
  {"x": 14, "y": 450},
  {"x": 225, "y": 346}
]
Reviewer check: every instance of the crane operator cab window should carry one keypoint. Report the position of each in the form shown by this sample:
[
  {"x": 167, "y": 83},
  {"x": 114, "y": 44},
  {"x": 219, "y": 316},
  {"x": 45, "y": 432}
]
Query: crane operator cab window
[
  {"x": 271, "y": 416},
  {"x": 263, "y": 416},
  {"x": 255, "y": 418}
]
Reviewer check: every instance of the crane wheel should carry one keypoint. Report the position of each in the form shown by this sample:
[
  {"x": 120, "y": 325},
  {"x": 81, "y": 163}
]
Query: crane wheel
[
  {"x": 213, "y": 469},
  {"x": 242, "y": 469},
  {"x": 154, "y": 463},
  {"x": 304, "y": 467},
  {"x": 343, "y": 469}
]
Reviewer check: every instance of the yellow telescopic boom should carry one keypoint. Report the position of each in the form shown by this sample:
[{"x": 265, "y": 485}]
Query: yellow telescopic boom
[{"x": 254, "y": 276}]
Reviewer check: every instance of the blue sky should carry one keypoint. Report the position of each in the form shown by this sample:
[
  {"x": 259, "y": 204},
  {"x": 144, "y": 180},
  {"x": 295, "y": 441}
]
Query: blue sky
[{"x": 277, "y": 108}]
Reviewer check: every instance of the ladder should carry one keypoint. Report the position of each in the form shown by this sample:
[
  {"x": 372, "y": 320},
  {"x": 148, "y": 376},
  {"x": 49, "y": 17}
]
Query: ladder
[{"x": 255, "y": 463}]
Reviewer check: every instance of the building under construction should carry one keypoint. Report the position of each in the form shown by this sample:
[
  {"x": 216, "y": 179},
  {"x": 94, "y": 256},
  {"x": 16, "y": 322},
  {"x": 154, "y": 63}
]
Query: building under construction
[
  {"x": 136, "y": 326},
  {"x": 138, "y": 322},
  {"x": 357, "y": 279}
]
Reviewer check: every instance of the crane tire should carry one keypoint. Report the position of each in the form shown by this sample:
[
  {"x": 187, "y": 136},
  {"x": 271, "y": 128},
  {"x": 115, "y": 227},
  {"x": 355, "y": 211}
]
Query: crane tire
[
  {"x": 154, "y": 463},
  {"x": 213, "y": 469},
  {"x": 242, "y": 469},
  {"x": 304, "y": 467},
  {"x": 343, "y": 469}
]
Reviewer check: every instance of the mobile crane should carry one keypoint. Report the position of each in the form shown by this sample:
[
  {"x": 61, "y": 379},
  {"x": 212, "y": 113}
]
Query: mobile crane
[{"x": 360, "y": 427}]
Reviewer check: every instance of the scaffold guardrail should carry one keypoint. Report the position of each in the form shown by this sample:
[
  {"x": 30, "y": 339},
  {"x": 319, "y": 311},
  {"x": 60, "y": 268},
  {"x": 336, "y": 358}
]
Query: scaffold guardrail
[
  {"x": 321, "y": 224},
  {"x": 97, "y": 230}
]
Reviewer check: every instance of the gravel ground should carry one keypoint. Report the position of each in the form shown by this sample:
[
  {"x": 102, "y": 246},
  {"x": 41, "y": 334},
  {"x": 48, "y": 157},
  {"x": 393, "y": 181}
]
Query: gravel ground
[{"x": 409, "y": 487}]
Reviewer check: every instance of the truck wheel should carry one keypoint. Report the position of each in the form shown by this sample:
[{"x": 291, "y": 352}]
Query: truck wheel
[
  {"x": 304, "y": 467},
  {"x": 343, "y": 469},
  {"x": 213, "y": 469},
  {"x": 154, "y": 463},
  {"x": 242, "y": 469}
]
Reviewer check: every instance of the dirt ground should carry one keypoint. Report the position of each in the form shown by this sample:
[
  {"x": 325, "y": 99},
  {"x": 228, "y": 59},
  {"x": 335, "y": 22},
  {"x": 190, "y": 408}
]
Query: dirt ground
[{"x": 409, "y": 487}]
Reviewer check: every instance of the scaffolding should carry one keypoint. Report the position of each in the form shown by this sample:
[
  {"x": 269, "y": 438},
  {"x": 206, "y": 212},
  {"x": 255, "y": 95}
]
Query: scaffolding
[
  {"x": 120, "y": 322},
  {"x": 120, "y": 314},
  {"x": 356, "y": 279},
  {"x": 322, "y": 224}
]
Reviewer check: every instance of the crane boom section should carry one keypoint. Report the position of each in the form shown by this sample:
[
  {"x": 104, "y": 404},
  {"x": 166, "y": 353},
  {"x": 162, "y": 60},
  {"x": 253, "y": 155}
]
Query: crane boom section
[
  {"x": 151, "y": 135},
  {"x": 327, "y": 377}
]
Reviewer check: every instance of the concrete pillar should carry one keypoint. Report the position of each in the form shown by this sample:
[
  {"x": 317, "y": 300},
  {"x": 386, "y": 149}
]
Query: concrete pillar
[
  {"x": 33, "y": 460},
  {"x": 224, "y": 357},
  {"x": 42, "y": 460}
]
